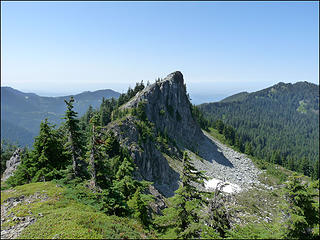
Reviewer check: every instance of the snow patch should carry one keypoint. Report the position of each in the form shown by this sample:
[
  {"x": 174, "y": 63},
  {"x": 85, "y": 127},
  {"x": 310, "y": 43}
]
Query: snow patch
[{"x": 228, "y": 187}]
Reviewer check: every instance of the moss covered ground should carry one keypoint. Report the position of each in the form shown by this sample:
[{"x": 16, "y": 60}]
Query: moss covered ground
[{"x": 63, "y": 218}]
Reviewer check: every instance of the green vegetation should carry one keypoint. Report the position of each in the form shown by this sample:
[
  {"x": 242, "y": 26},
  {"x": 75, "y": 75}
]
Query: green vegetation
[
  {"x": 302, "y": 107},
  {"x": 125, "y": 97},
  {"x": 41, "y": 163},
  {"x": 236, "y": 97},
  {"x": 92, "y": 166},
  {"x": 22, "y": 113},
  {"x": 198, "y": 116},
  {"x": 162, "y": 112},
  {"x": 7, "y": 149},
  {"x": 80, "y": 183},
  {"x": 279, "y": 125},
  {"x": 65, "y": 218},
  {"x": 301, "y": 209}
]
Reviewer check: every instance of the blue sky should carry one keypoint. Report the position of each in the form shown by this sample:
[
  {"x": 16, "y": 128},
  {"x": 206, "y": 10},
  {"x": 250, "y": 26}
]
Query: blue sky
[{"x": 221, "y": 48}]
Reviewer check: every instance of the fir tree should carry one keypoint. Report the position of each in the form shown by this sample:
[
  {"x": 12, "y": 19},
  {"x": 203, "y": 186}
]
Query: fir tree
[
  {"x": 46, "y": 159},
  {"x": 74, "y": 136},
  {"x": 93, "y": 150},
  {"x": 302, "y": 210},
  {"x": 182, "y": 219},
  {"x": 140, "y": 206}
]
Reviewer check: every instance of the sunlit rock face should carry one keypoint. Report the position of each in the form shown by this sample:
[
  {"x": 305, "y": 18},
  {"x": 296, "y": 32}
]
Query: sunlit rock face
[{"x": 168, "y": 107}]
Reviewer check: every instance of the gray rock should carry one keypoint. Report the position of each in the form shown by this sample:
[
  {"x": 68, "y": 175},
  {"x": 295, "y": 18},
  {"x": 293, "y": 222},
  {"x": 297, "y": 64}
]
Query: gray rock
[
  {"x": 168, "y": 96},
  {"x": 168, "y": 108},
  {"x": 12, "y": 164}
]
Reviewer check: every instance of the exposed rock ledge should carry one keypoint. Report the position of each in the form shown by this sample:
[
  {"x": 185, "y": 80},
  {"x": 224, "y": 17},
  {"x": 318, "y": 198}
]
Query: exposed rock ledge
[{"x": 12, "y": 164}]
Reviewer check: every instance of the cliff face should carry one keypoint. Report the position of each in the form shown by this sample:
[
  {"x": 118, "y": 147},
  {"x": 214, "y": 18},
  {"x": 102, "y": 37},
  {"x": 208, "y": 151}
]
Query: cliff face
[{"x": 168, "y": 107}]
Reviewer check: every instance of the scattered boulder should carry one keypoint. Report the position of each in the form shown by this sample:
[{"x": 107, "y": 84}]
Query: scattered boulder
[
  {"x": 19, "y": 223},
  {"x": 12, "y": 164}
]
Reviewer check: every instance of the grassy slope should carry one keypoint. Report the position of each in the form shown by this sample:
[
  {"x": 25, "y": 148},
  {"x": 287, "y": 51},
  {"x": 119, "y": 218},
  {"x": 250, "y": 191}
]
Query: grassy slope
[
  {"x": 259, "y": 210},
  {"x": 64, "y": 218},
  {"x": 67, "y": 219}
]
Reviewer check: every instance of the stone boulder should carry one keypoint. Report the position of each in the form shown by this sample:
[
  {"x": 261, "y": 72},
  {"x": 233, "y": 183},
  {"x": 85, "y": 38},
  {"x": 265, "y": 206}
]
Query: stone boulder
[{"x": 12, "y": 164}]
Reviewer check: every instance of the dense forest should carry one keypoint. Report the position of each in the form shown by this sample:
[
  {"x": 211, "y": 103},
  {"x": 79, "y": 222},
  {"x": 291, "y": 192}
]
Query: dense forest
[
  {"x": 97, "y": 171},
  {"x": 279, "y": 124}
]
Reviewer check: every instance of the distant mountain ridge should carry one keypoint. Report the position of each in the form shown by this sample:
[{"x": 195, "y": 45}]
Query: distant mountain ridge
[
  {"x": 236, "y": 97},
  {"x": 282, "y": 120},
  {"x": 21, "y": 113}
]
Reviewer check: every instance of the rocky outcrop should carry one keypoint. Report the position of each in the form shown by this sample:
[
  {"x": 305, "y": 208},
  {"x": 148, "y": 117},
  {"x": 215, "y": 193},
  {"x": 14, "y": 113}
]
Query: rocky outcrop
[
  {"x": 12, "y": 164},
  {"x": 168, "y": 107},
  {"x": 11, "y": 224},
  {"x": 151, "y": 164}
]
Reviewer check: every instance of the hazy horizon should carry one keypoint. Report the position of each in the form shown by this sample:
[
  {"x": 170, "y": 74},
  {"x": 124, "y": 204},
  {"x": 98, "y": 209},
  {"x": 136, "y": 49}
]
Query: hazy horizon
[
  {"x": 196, "y": 98},
  {"x": 222, "y": 48}
]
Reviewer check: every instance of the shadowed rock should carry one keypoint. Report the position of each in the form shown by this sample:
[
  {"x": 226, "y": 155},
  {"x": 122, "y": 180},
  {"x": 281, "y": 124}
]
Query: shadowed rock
[{"x": 12, "y": 164}]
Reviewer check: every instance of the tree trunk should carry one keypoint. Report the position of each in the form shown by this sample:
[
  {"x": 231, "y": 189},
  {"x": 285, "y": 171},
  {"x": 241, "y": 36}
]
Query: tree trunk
[
  {"x": 74, "y": 157},
  {"x": 92, "y": 162}
]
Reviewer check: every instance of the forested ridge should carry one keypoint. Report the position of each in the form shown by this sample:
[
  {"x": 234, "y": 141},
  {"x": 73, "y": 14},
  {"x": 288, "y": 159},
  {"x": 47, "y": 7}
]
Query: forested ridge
[
  {"x": 21, "y": 113},
  {"x": 279, "y": 124}
]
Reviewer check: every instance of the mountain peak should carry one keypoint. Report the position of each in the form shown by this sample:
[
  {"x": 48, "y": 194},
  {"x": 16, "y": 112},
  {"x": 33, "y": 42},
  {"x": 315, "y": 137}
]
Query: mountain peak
[
  {"x": 176, "y": 76},
  {"x": 168, "y": 107}
]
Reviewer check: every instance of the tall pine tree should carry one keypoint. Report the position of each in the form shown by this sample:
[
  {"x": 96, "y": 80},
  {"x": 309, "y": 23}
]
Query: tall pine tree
[
  {"x": 182, "y": 218},
  {"x": 74, "y": 136}
]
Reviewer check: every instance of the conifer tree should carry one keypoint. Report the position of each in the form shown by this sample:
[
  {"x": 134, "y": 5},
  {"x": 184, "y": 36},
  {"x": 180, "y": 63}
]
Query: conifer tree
[
  {"x": 182, "y": 219},
  {"x": 74, "y": 136},
  {"x": 46, "y": 159},
  {"x": 140, "y": 207},
  {"x": 93, "y": 151},
  {"x": 302, "y": 210},
  {"x": 124, "y": 181},
  {"x": 48, "y": 154}
]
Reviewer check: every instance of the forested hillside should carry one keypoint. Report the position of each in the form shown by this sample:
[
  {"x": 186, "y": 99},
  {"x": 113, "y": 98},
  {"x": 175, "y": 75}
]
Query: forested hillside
[
  {"x": 21, "y": 113},
  {"x": 279, "y": 124}
]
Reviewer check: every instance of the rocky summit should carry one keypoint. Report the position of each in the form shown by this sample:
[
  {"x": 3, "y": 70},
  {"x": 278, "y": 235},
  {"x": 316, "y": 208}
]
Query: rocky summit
[{"x": 168, "y": 109}]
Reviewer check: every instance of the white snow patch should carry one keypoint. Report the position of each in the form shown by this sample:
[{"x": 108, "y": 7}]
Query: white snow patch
[{"x": 228, "y": 187}]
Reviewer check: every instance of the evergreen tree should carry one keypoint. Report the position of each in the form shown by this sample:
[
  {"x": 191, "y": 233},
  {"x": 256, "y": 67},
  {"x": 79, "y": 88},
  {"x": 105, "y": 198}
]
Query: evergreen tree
[
  {"x": 140, "y": 206},
  {"x": 48, "y": 155},
  {"x": 248, "y": 148},
  {"x": 74, "y": 136},
  {"x": 276, "y": 158},
  {"x": 124, "y": 181},
  {"x": 93, "y": 150},
  {"x": 216, "y": 215},
  {"x": 302, "y": 209},
  {"x": 46, "y": 159},
  {"x": 219, "y": 126},
  {"x": 229, "y": 134},
  {"x": 89, "y": 114},
  {"x": 182, "y": 219},
  {"x": 315, "y": 173}
]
